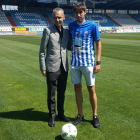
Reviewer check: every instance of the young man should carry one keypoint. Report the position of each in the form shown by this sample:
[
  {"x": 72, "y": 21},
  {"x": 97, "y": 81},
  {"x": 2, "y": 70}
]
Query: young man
[
  {"x": 84, "y": 33},
  {"x": 55, "y": 65}
]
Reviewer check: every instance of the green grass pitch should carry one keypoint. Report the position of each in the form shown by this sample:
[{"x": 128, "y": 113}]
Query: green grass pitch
[{"x": 23, "y": 106}]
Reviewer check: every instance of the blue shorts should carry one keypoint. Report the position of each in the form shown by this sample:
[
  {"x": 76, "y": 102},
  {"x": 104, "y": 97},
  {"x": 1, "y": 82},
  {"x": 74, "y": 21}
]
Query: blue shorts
[{"x": 88, "y": 73}]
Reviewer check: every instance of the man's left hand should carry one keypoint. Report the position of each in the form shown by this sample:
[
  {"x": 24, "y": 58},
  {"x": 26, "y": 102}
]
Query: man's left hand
[{"x": 96, "y": 69}]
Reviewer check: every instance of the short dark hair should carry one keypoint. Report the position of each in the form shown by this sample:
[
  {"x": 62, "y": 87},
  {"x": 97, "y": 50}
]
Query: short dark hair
[{"x": 79, "y": 6}]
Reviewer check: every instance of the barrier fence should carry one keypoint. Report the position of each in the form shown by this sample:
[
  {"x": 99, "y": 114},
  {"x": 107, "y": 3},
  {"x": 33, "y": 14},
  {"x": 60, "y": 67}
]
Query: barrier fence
[
  {"x": 125, "y": 29},
  {"x": 39, "y": 30},
  {"x": 21, "y": 31}
]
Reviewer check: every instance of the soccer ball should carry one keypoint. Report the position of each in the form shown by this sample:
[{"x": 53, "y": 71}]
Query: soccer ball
[{"x": 68, "y": 131}]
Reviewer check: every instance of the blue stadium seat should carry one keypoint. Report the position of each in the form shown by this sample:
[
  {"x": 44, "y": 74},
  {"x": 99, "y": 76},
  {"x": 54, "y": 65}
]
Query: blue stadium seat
[
  {"x": 4, "y": 22},
  {"x": 29, "y": 19},
  {"x": 136, "y": 16},
  {"x": 103, "y": 20},
  {"x": 100, "y": 18}
]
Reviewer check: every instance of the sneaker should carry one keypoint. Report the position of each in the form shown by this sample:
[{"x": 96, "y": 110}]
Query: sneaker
[
  {"x": 78, "y": 119},
  {"x": 96, "y": 122}
]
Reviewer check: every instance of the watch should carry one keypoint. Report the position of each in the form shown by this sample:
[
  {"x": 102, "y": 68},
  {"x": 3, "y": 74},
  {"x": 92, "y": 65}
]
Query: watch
[{"x": 98, "y": 62}]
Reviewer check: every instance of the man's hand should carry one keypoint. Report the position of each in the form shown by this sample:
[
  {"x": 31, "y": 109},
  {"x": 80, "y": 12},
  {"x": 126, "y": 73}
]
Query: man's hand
[
  {"x": 96, "y": 69},
  {"x": 44, "y": 72}
]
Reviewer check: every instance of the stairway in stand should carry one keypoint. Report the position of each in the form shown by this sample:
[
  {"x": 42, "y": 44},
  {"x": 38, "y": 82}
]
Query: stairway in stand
[
  {"x": 115, "y": 22},
  {"x": 48, "y": 19},
  {"x": 12, "y": 21}
]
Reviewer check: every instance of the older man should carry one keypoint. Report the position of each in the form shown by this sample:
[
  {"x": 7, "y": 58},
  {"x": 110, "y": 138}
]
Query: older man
[{"x": 55, "y": 65}]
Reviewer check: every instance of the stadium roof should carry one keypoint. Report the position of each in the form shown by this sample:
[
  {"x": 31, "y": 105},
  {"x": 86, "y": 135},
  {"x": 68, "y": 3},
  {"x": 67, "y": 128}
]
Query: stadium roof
[{"x": 99, "y": 4}]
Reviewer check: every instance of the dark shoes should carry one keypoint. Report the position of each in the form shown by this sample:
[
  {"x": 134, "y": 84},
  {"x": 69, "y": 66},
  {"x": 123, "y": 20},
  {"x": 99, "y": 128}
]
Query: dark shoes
[
  {"x": 63, "y": 118},
  {"x": 96, "y": 122},
  {"x": 51, "y": 122},
  {"x": 78, "y": 119}
]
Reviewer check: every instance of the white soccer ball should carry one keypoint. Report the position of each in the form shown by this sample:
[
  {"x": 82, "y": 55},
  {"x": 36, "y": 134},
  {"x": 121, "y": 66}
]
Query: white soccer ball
[{"x": 68, "y": 131}]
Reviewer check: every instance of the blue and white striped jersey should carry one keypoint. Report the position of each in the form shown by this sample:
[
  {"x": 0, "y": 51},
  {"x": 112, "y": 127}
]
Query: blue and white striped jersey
[{"x": 83, "y": 37}]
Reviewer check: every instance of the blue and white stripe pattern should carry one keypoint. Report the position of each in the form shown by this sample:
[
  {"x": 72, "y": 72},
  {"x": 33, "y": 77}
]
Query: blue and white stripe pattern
[{"x": 84, "y": 35}]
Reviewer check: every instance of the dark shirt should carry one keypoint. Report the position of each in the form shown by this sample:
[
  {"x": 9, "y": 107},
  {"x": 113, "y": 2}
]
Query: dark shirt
[{"x": 60, "y": 32}]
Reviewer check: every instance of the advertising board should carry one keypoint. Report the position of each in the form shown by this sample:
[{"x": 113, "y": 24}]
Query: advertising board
[
  {"x": 20, "y": 29},
  {"x": 7, "y": 33},
  {"x": 39, "y": 32},
  {"x": 36, "y": 29},
  {"x": 5, "y": 29},
  {"x": 25, "y": 32}
]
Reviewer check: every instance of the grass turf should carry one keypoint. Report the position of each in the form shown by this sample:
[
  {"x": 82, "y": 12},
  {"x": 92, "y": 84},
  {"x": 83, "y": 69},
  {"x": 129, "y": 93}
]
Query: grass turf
[{"x": 23, "y": 107}]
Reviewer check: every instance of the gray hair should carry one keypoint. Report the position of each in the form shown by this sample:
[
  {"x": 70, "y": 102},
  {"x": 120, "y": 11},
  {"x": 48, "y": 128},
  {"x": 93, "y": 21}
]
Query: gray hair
[{"x": 58, "y": 9}]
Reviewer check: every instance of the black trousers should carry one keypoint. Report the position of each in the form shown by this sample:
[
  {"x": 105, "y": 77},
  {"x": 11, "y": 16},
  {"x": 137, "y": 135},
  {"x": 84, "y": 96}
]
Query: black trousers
[{"x": 56, "y": 80}]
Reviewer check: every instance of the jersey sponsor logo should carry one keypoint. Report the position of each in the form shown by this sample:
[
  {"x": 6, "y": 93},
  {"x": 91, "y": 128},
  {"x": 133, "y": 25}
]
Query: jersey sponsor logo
[{"x": 78, "y": 34}]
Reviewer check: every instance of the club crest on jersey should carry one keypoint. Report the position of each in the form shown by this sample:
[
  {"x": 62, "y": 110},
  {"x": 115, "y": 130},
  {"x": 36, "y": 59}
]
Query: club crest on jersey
[
  {"x": 78, "y": 35},
  {"x": 86, "y": 32}
]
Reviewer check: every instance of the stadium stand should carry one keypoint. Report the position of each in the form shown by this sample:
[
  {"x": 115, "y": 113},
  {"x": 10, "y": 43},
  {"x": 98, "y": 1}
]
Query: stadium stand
[
  {"x": 108, "y": 14},
  {"x": 50, "y": 21},
  {"x": 36, "y": 19},
  {"x": 29, "y": 19},
  {"x": 136, "y": 17},
  {"x": 3, "y": 20},
  {"x": 69, "y": 17},
  {"x": 124, "y": 20},
  {"x": 102, "y": 19},
  {"x": 98, "y": 18},
  {"x": 49, "y": 15}
]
